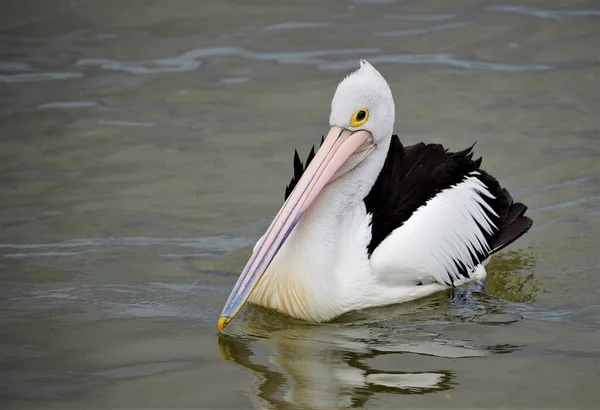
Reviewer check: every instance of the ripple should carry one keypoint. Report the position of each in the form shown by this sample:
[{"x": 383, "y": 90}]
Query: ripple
[
  {"x": 422, "y": 381},
  {"x": 422, "y": 31},
  {"x": 437, "y": 348},
  {"x": 15, "y": 67},
  {"x": 144, "y": 369},
  {"x": 453, "y": 61},
  {"x": 208, "y": 245},
  {"x": 188, "y": 61},
  {"x": 40, "y": 254},
  {"x": 69, "y": 104},
  {"x": 163, "y": 65},
  {"x": 44, "y": 76},
  {"x": 153, "y": 300},
  {"x": 546, "y": 14},
  {"x": 295, "y": 25},
  {"x": 566, "y": 204},
  {"x": 550, "y": 187},
  {"x": 235, "y": 80},
  {"x": 126, "y": 123},
  {"x": 422, "y": 17}
]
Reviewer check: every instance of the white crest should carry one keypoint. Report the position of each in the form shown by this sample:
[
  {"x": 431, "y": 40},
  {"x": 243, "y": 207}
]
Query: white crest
[{"x": 364, "y": 88}]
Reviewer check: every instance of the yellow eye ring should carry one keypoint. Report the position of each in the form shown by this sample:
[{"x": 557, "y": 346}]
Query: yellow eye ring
[{"x": 359, "y": 117}]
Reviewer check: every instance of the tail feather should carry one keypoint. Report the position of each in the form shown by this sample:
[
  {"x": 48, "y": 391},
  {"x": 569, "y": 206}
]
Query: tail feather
[
  {"x": 511, "y": 232},
  {"x": 515, "y": 211}
]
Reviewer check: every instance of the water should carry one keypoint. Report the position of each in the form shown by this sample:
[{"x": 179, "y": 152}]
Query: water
[{"x": 146, "y": 145}]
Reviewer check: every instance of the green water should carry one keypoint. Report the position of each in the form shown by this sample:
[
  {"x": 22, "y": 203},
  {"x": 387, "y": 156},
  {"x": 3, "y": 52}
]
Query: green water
[{"x": 144, "y": 147}]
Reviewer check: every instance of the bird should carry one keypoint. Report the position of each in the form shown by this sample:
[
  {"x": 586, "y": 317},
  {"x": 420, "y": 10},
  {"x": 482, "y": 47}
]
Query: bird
[{"x": 369, "y": 222}]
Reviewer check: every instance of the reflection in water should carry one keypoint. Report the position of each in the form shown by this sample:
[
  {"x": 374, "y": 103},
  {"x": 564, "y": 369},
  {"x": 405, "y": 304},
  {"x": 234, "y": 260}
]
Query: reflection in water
[
  {"x": 308, "y": 371},
  {"x": 332, "y": 366},
  {"x": 345, "y": 363}
]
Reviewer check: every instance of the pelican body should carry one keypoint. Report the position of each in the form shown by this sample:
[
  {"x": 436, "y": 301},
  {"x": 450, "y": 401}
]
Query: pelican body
[{"x": 368, "y": 222}]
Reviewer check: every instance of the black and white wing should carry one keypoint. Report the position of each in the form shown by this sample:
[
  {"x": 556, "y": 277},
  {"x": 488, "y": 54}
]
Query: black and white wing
[{"x": 436, "y": 216}]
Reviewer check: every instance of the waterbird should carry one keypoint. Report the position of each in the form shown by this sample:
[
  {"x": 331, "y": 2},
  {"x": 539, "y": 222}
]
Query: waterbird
[{"x": 369, "y": 222}]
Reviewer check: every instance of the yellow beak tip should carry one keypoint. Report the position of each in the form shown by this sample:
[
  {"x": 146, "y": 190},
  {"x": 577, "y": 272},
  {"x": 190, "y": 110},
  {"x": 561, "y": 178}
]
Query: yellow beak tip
[{"x": 223, "y": 321}]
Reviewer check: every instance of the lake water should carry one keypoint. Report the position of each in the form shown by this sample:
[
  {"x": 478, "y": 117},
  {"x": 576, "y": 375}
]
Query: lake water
[{"x": 145, "y": 145}]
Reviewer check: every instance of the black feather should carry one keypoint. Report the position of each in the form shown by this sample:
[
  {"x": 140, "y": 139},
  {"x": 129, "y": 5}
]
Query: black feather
[
  {"x": 299, "y": 169},
  {"x": 510, "y": 233}
]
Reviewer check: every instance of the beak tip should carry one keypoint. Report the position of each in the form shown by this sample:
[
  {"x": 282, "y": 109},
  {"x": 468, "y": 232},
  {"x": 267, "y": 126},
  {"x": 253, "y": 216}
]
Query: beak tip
[{"x": 223, "y": 321}]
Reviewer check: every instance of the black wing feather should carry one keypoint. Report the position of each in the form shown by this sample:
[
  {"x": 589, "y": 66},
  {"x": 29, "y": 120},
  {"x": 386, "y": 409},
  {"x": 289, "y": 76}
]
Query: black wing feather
[{"x": 299, "y": 169}]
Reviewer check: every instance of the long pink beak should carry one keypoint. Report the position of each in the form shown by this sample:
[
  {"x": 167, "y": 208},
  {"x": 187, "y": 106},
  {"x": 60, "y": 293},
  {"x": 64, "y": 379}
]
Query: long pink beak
[{"x": 339, "y": 145}]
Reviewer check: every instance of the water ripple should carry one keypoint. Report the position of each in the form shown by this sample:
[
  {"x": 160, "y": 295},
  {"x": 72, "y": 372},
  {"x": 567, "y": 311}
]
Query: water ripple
[
  {"x": 555, "y": 185},
  {"x": 160, "y": 299},
  {"x": 44, "y": 76},
  {"x": 40, "y": 254},
  {"x": 422, "y": 17},
  {"x": 189, "y": 60},
  {"x": 208, "y": 245},
  {"x": 546, "y": 14},
  {"x": 126, "y": 123},
  {"x": 68, "y": 104},
  {"x": 295, "y": 25},
  {"x": 15, "y": 67},
  {"x": 421, "y": 31},
  {"x": 453, "y": 61},
  {"x": 566, "y": 204}
]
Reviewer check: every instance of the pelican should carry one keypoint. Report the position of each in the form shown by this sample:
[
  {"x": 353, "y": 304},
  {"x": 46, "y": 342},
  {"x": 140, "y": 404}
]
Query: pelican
[{"x": 368, "y": 222}]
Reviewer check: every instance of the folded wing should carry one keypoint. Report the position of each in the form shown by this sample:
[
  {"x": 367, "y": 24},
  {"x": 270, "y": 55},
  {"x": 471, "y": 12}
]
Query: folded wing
[{"x": 437, "y": 216}]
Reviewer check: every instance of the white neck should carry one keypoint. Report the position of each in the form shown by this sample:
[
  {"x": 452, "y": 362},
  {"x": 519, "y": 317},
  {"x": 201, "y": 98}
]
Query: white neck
[
  {"x": 304, "y": 265},
  {"x": 316, "y": 230}
]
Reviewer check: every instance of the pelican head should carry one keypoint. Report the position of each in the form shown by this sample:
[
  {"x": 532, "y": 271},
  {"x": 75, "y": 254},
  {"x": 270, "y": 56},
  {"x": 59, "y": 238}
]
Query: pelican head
[
  {"x": 364, "y": 90},
  {"x": 361, "y": 121}
]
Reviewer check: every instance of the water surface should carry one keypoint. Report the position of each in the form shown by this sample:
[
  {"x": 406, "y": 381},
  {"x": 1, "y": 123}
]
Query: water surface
[{"x": 145, "y": 146}]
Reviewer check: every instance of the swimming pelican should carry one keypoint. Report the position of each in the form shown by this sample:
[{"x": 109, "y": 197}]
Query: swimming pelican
[{"x": 368, "y": 222}]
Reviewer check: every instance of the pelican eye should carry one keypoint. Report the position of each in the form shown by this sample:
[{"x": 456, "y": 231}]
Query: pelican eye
[{"x": 359, "y": 117}]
